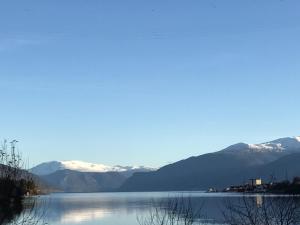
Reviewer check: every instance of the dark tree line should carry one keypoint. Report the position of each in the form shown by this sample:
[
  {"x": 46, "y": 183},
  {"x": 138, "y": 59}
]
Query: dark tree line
[{"x": 15, "y": 184}]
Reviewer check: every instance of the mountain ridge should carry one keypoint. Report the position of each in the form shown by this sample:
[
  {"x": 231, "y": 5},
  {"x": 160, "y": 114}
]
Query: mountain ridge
[
  {"x": 232, "y": 165},
  {"x": 47, "y": 168},
  {"x": 77, "y": 182},
  {"x": 79, "y": 176},
  {"x": 278, "y": 145}
]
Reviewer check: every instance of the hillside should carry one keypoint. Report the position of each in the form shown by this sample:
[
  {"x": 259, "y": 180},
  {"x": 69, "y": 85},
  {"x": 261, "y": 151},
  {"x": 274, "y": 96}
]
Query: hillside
[
  {"x": 74, "y": 181},
  {"x": 233, "y": 165}
]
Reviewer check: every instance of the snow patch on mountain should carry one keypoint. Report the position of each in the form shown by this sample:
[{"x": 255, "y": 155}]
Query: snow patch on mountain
[
  {"x": 266, "y": 147},
  {"x": 279, "y": 145},
  {"x": 89, "y": 167}
]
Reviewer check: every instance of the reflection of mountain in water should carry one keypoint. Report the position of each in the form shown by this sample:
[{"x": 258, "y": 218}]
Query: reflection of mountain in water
[
  {"x": 81, "y": 215},
  {"x": 124, "y": 208},
  {"x": 110, "y": 207},
  {"x": 78, "y": 208}
]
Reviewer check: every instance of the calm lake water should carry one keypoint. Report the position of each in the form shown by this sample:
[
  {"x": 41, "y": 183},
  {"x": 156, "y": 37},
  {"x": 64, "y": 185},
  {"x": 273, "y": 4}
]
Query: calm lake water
[{"x": 124, "y": 208}]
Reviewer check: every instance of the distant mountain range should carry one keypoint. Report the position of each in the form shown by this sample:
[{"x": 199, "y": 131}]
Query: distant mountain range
[
  {"x": 236, "y": 164},
  {"x": 80, "y": 166},
  {"x": 78, "y": 176},
  {"x": 278, "y": 159}
]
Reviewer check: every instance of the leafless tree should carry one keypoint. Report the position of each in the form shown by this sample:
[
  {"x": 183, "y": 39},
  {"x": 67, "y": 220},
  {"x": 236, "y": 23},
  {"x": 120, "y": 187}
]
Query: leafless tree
[
  {"x": 262, "y": 210},
  {"x": 175, "y": 211}
]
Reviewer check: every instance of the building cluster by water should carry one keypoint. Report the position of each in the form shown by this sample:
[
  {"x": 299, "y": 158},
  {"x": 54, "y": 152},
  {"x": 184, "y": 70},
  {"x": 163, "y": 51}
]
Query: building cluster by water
[{"x": 254, "y": 186}]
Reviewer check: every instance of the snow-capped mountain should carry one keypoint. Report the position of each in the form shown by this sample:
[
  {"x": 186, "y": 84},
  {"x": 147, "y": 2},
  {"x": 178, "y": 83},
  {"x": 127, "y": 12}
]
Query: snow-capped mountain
[
  {"x": 80, "y": 166},
  {"x": 282, "y": 145}
]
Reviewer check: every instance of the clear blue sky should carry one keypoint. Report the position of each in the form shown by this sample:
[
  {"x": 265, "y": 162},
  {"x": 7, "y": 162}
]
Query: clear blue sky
[{"x": 147, "y": 82}]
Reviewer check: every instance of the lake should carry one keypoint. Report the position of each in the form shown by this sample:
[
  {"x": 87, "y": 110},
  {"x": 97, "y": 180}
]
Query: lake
[{"x": 124, "y": 208}]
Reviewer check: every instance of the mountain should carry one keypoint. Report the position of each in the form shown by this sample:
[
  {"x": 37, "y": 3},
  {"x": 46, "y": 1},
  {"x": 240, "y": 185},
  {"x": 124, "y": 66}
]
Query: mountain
[
  {"x": 74, "y": 181},
  {"x": 80, "y": 166},
  {"x": 232, "y": 165},
  {"x": 78, "y": 176}
]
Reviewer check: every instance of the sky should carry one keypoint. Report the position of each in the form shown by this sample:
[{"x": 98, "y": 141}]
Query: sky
[{"x": 141, "y": 82}]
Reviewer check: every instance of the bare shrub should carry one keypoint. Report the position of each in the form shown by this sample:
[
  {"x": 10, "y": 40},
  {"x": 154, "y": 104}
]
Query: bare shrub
[
  {"x": 23, "y": 212},
  {"x": 264, "y": 210},
  {"x": 177, "y": 211},
  {"x": 15, "y": 181},
  {"x": 15, "y": 184}
]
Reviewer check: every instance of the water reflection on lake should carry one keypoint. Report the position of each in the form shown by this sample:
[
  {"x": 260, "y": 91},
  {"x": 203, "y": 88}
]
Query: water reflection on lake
[{"x": 124, "y": 208}]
